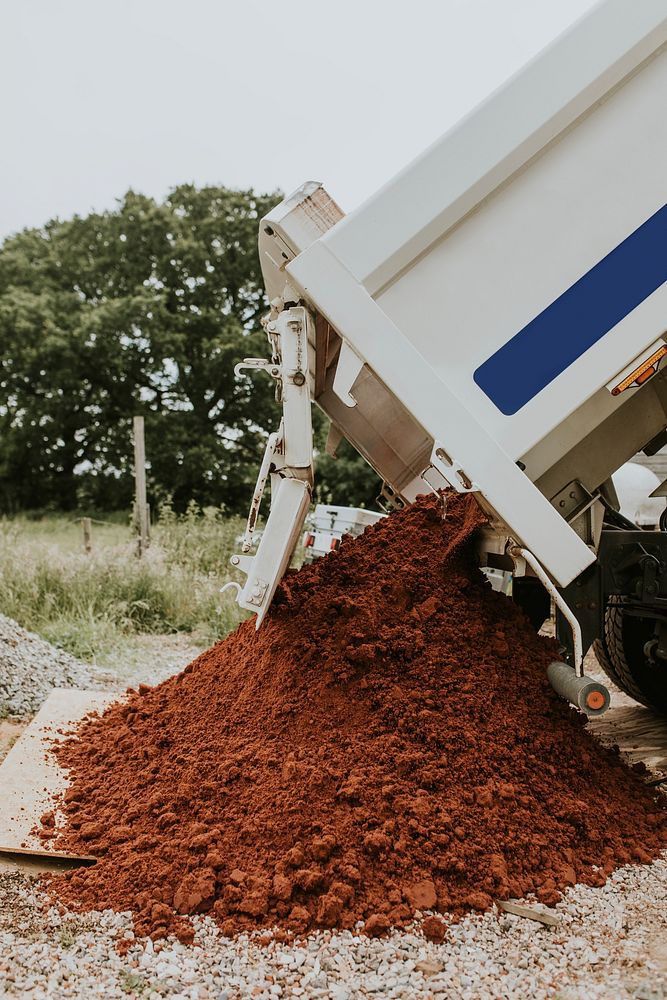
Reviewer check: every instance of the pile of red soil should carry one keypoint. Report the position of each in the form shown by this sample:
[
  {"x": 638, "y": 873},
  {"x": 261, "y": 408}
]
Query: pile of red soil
[{"x": 386, "y": 743}]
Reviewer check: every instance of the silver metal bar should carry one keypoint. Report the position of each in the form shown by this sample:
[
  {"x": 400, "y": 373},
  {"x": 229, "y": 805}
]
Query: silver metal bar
[
  {"x": 259, "y": 491},
  {"x": 517, "y": 552}
]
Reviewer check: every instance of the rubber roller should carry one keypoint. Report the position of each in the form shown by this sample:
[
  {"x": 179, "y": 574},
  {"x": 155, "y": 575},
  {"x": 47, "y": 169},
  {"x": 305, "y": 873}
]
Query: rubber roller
[{"x": 582, "y": 692}]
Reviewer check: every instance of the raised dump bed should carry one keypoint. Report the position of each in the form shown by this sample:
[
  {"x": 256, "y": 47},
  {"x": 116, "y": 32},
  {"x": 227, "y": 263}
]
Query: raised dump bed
[{"x": 493, "y": 321}]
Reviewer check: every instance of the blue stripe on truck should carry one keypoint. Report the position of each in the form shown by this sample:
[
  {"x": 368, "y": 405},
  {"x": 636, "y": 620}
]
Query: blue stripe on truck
[{"x": 578, "y": 318}]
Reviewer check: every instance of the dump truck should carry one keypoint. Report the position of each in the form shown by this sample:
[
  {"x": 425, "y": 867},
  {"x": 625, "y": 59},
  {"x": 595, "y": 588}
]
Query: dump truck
[{"x": 493, "y": 321}]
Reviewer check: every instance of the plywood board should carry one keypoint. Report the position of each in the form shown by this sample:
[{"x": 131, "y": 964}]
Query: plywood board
[
  {"x": 639, "y": 733},
  {"x": 30, "y": 776}
]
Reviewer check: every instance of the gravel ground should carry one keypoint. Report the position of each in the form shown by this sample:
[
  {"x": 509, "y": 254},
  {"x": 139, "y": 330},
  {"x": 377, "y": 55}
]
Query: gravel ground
[
  {"x": 150, "y": 659},
  {"x": 30, "y": 668},
  {"x": 602, "y": 947},
  {"x": 609, "y": 943}
]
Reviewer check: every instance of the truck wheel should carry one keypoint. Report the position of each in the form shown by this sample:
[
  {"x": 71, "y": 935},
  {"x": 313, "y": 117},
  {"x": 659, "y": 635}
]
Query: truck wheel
[
  {"x": 602, "y": 656},
  {"x": 621, "y": 655}
]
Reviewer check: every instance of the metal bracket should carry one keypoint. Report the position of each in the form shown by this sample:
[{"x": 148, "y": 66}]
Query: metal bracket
[
  {"x": 434, "y": 479},
  {"x": 334, "y": 438},
  {"x": 264, "y": 570},
  {"x": 347, "y": 371},
  {"x": 450, "y": 470},
  {"x": 272, "y": 446},
  {"x": 288, "y": 459},
  {"x": 258, "y": 364},
  {"x": 254, "y": 591},
  {"x": 389, "y": 499},
  {"x": 573, "y": 500}
]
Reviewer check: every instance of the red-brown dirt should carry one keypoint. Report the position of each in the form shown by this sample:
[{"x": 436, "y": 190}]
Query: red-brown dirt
[{"x": 386, "y": 743}]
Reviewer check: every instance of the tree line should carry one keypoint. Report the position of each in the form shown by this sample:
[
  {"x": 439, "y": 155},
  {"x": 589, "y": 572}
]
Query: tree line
[{"x": 144, "y": 309}]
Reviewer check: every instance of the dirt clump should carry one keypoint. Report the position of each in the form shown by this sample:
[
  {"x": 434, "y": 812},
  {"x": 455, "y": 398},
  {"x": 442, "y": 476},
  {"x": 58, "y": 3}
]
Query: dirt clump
[{"x": 387, "y": 743}]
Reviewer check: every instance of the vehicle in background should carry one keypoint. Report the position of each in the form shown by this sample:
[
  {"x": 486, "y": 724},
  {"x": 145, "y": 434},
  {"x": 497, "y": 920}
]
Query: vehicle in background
[
  {"x": 328, "y": 524},
  {"x": 635, "y": 486}
]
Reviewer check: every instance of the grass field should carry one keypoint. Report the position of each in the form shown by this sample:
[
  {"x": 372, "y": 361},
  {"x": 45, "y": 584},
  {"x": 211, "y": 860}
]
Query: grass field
[{"x": 92, "y": 604}]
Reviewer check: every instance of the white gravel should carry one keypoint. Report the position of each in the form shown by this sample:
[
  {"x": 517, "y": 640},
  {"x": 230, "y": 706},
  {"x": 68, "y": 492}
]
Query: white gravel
[
  {"x": 150, "y": 659},
  {"x": 610, "y": 943},
  {"x": 30, "y": 668}
]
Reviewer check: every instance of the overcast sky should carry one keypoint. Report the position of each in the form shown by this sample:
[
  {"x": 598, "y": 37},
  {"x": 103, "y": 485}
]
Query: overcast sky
[{"x": 102, "y": 95}]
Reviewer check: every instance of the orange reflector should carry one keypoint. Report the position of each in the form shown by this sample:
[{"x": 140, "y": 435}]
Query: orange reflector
[
  {"x": 642, "y": 373},
  {"x": 645, "y": 376},
  {"x": 595, "y": 699}
]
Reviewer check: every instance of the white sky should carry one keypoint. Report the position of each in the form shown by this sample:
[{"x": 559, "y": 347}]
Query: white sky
[{"x": 102, "y": 95}]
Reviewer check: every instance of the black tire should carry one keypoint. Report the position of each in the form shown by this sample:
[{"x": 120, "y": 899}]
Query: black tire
[
  {"x": 620, "y": 653},
  {"x": 603, "y": 658}
]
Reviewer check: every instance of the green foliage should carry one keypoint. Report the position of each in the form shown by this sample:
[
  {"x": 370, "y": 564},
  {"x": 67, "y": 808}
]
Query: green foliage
[
  {"x": 144, "y": 309},
  {"x": 132, "y": 982},
  {"x": 87, "y": 603},
  {"x": 345, "y": 480},
  {"x": 200, "y": 540},
  {"x": 66, "y": 937}
]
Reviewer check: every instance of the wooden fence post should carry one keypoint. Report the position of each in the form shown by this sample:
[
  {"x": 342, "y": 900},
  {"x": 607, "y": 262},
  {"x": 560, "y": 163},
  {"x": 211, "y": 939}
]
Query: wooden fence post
[
  {"x": 87, "y": 526},
  {"x": 140, "y": 485}
]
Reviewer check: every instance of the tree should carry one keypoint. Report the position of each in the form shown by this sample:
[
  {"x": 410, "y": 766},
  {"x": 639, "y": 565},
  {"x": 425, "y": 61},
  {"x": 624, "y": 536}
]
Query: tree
[
  {"x": 346, "y": 480},
  {"x": 143, "y": 309}
]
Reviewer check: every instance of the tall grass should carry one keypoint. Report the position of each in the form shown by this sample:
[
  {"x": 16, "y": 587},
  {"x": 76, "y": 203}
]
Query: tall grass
[{"x": 88, "y": 603}]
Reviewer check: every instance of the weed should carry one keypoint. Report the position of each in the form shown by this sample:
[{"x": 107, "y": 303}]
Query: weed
[
  {"x": 4, "y": 749},
  {"x": 66, "y": 937},
  {"x": 88, "y": 604},
  {"x": 132, "y": 982}
]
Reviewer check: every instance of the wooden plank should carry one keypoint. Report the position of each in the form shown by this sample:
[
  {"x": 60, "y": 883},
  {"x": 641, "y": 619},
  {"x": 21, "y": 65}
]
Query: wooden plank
[
  {"x": 543, "y": 916},
  {"x": 41, "y": 862},
  {"x": 640, "y": 734},
  {"x": 30, "y": 776}
]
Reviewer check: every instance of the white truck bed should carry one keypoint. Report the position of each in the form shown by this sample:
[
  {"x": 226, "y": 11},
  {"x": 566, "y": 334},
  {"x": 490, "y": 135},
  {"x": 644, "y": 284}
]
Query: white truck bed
[
  {"x": 494, "y": 318},
  {"x": 488, "y": 297}
]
